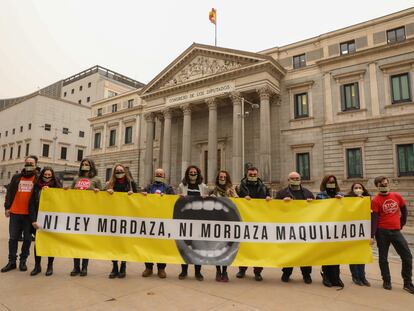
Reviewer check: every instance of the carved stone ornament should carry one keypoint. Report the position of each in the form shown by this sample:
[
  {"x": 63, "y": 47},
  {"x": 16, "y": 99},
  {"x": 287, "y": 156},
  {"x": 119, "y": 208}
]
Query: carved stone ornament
[{"x": 200, "y": 67}]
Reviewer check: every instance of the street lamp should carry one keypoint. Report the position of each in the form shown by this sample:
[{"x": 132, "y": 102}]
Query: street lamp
[{"x": 244, "y": 115}]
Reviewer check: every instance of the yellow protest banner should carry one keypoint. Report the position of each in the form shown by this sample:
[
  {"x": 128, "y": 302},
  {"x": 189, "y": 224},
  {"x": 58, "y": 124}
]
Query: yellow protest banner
[{"x": 217, "y": 231}]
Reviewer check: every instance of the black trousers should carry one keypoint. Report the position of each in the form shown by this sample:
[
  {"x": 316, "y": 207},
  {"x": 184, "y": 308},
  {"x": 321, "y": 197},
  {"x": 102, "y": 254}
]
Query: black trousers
[
  {"x": 384, "y": 239},
  {"x": 19, "y": 224},
  {"x": 160, "y": 266},
  {"x": 358, "y": 271},
  {"x": 76, "y": 263},
  {"x": 255, "y": 269},
  {"x": 197, "y": 268},
  {"x": 305, "y": 270}
]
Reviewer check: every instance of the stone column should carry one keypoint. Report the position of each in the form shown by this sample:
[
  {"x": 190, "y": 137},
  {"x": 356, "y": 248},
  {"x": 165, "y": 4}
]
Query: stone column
[
  {"x": 148, "y": 161},
  {"x": 212, "y": 140},
  {"x": 166, "y": 146},
  {"x": 119, "y": 139},
  {"x": 237, "y": 171},
  {"x": 264, "y": 150},
  {"x": 186, "y": 152},
  {"x": 104, "y": 136}
]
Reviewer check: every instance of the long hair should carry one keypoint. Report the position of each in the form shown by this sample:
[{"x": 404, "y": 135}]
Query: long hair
[
  {"x": 228, "y": 184},
  {"x": 112, "y": 181},
  {"x": 54, "y": 181},
  {"x": 364, "y": 194},
  {"x": 325, "y": 181},
  {"x": 92, "y": 172},
  {"x": 186, "y": 179}
]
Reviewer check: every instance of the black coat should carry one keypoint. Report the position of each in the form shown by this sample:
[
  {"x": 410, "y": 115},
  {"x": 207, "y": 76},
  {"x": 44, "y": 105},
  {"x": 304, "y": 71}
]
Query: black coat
[
  {"x": 287, "y": 193},
  {"x": 261, "y": 190}
]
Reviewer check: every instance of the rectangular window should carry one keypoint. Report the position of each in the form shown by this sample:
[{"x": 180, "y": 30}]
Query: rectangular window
[
  {"x": 45, "y": 150},
  {"x": 4, "y": 154},
  {"x": 303, "y": 165},
  {"x": 347, "y": 47},
  {"x": 349, "y": 96},
  {"x": 65, "y": 130},
  {"x": 80, "y": 88},
  {"x": 88, "y": 99},
  {"x": 80, "y": 155},
  {"x": 73, "y": 91},
  {"x": 299, "y": 61},
  {"x": 89, "y": 84},
  {"x": 130, "y": 103},
  {"x": 80, "y": 101},
  {"x": 30, "y": 126},
  {"x": 97, "y": 141},
  {"x": 112, "y": 93},
  {"x": 81, "y": 134},
  {"x": 19, "y": 150},
  {"x": 7, "y": 133},
  {"x": 27, "y": 150},
  {"x": 11, "y": 153},
  {"x": 405, "y": 155},
  {"x": 63, "y": 153},
  {"x": 108, "y": 173},
  {"x": 64, "y": 94},
  {"x": 400, "y": 88},
  {"x": 13, "y": 131},
  {"x": 128, "y": 135},
  {"x": 48, "y": 127},
  {"x": 112, "y": 138},
  {"x": 114, "y": 107},
  {"x": 301, "y": 105},
  {"x": 21, "y": 129},
  {"x": 354, "y": 163},
  {"x": 396, "y": 35},
  {"x": 99, "y": 112}
]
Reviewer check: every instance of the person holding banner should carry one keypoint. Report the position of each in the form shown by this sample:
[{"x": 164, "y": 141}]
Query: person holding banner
[
  {"x": 330, "y": 189},
  {"x": 295, "y": 191},
  {"x": 47, "y": 179},
  {"x": 251, "y": 187},
  {"x": 16, "y": 206},
  {"x": 86, "y": 180},
  {"x": 389, "y": 215},
  {"x": 192, "y": 185},
  {"x": 121, "y": 181},
  {"x": 358, "y": 270},
  {"x": 223, "y": 188},
  {"x": 158, "y": 186}
]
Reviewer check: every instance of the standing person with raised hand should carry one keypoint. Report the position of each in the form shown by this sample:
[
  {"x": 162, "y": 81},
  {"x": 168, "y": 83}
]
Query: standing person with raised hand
[
  {"x": 223, "y": 188},
  {"x": 389, "y": 216},
  {"x": 358, "y": 270},
  {"x": 192, "y": 185},
  {"x": 158, "y": 186},
  {"x": 16, "y": 206},
  {"x": 295, "y": 191},
  {"x": 87, "y": 179},
  {"x": 47, "y": 179},
  {"x": 252, "y": 187},
  {"x": 329, "y": 190},
  {"x": 121, "y": 181}
]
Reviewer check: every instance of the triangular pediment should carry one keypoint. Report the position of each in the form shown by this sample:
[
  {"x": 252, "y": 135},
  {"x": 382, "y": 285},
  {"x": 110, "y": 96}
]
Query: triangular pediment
[{"x": 199, "y": 62}]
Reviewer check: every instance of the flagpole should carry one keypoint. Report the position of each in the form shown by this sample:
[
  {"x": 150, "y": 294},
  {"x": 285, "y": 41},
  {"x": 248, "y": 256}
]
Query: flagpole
[{"x": 215, "y": 31}]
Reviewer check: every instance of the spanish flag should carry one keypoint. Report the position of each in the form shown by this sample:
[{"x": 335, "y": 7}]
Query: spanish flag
[{"x": 212, "y": 16}]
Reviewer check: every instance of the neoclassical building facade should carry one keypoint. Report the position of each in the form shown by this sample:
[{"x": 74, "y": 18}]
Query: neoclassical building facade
[{"x": 340, "y": 103}]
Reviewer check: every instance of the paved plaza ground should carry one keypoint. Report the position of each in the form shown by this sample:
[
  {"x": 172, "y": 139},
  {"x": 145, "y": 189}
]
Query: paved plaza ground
[{"x": 20, "y": 291}]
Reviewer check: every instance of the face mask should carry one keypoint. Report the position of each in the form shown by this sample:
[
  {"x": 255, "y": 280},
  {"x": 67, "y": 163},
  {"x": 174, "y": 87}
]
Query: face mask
[
  {"x": 46, "y": 179},
  {"x": 85, "y": 168},
  {"x": 222, "y": 182},
  {"x": 383, "y": 189},
  {"x": 252, "y": 178},
  {"x": 294, "y": 183},
  {"x": 29, "y": 168},
  {"x": 159, "y": 179},
  {"x": 358, "y": 192},
  {"x": 193, "y": 177},
  {"x": 331, "y": 185},
  {"x": 119, "y": 175}
]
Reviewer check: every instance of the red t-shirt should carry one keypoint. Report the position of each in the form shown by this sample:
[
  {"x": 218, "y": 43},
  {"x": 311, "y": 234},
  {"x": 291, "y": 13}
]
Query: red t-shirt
[
  {"x": 388, "y": 208},
  {"x": 20, "y": 203}
]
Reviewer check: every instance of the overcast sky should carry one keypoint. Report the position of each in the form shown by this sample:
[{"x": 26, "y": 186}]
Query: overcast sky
[{"x": 43, "y": 41}]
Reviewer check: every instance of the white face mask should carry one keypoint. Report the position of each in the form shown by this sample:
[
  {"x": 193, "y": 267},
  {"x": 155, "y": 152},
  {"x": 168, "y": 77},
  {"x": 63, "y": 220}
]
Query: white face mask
[
  {"x": 222, "y": 182},
  {"x": 383, "y": 189},
  {"x": 159, "y": 179},
  {"x": 294, "y": 183},
  {"x": 85, "y": 168},
  {"x": 358, "y": 192},
  {"x": 119, "y": 175},
  {"x": 252, "y": 178},
  {"x": 193, "y": 177},
  {"x": 330, "y": 185}
]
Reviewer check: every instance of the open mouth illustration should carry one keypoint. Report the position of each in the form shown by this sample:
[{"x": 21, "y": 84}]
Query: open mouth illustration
[{"x": 207, "y": 252}]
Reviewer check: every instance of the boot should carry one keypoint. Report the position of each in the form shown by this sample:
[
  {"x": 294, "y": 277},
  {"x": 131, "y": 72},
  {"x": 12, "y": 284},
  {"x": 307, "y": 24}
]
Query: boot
[
  {"x": 49, "y": 270},
  {"x": 37, "y": 269},
  {"x": 122, "y": 270},
  {"x": 147, "y": 272},
  {"x": 84, "y": 271},
  {"x": 22, "y": 265},
  {"x": 114, "y": 272},
  {"x": 75, "y": 271},
  {"x": 10, "y": 266}
]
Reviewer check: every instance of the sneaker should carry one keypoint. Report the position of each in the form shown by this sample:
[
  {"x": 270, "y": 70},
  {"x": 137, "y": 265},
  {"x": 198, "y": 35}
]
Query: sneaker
[
  {"x": 161, "y": 274},
  {"x": 258, "y": 277},
  {"x": 241, "y": 274},
  {"x": 285, "y": 277},
  {"x": 199, "y": 277},
  {"x": 22, "y": 266},
  {"x": 307, "y": 279},
  {"x": 387, "y": 285},
  {"x": 147, "y": 272},
  {"x": 10, "y": 266},
  {"x": 409, "y": 288},
  {"x": 182, "y": 275},
  {"x": 357, "y": 281},
  {"x": 218, "y": 276},
  {"x": 365, "y": 282},
  {"x": 224, "y": 277}
]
